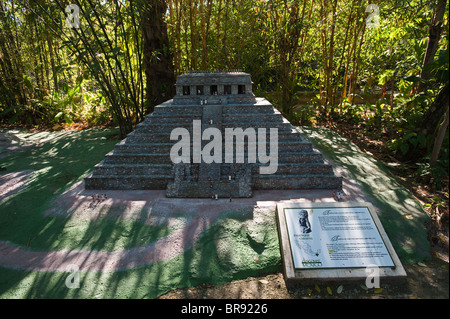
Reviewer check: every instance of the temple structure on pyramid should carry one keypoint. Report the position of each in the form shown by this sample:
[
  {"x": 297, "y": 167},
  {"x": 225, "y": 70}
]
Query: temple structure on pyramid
[{"x": 219, "y": 102}]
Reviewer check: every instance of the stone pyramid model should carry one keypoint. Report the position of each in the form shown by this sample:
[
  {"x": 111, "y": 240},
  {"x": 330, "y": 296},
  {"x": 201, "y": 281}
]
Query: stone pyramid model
[{"x": 219, "y": 101}]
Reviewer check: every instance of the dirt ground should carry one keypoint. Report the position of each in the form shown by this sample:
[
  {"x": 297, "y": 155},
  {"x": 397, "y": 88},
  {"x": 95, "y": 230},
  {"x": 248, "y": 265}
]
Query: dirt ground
[{"x": 427, "y": 280}]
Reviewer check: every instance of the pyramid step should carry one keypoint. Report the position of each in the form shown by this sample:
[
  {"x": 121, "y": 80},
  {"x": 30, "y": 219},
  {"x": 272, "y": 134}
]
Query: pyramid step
[
  {"x": 283, "y": 157},
  {"x": 177, "y": 109},
  {"x": 293, "y": 146},
  {"x": 282, "y": 169},
  {"x": 141, "y": 148},
  {"x": 169, "y": 119},
  {"x": 281, "y": 126},
  {"x": 132, "y": 169},
  {"x": 142, "y": 138},
  {"x": 292, "y": 135},
  {"x": 269, "y": 182},
  {"x": 285, "y": 129},
  {"x": 162, "y": 148},
  {"x": 154, "y": 127},
  {"x": 302, "y": 169},
  {"x": 242, "y": 109},
  {"x": 164, "y": 158},
  {"x": 164, "y": 137},
  {"x": 300, "y": 157},
  {"x": 284, "y": 146},
  {"x": 150, "y": 147},
  {"x": 137, "y": 159},
  {"x": 126, "y": 182},
  {"x": 252, "y": 117}
]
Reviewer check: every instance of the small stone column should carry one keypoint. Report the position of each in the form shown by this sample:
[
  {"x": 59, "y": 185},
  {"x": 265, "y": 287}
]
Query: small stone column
[
  {"x": 179, "y": 89},
  {"x": 248, "y": 89},
  {"x": 220, "y": 89}
]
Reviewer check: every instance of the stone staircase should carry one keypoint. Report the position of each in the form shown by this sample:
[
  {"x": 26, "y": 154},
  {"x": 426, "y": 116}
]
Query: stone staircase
[
  {"x": 300, "y": 166},
  {"x": 142, "y": 160}
]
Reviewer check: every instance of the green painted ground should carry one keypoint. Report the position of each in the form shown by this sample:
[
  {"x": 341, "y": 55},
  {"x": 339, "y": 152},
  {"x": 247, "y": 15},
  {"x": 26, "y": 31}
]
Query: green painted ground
[
  {"x": 238, "y": 245},
  {"x": 401, "y": 214},
  {"x": 226, "y": 252}
]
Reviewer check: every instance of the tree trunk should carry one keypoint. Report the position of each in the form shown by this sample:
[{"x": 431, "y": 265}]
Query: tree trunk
[
  {"x": 356, "y": 62},
  {"x": 434, "y": 33},
  {"x": 323, "y": 38},
  {"x": 11, "y": 63},
  {"x": 330, "y": 77},
  {"x": 178, "y": 60},
  {"x": 391, "y": 98},
  {"x": 194, "y": 38},
  {"x": 430, "y": 120},
  {"x": 224, "y": 61},
  {"x": 52, "y": 62},
  {"x": 341, "y": 61},
  {"x": 218, "y": 24},
  {"x": 439, "y": 139},
  {"x": 206, "y": 18},
  {"x": 158, "y": 64}
]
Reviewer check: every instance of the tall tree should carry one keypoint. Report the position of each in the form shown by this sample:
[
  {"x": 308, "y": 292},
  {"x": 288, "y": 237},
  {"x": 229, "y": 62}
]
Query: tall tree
[
  {"x": 434, "y": 33},
  {"x": 11, "y": 66},
  {"x": 158, "y": 64}
]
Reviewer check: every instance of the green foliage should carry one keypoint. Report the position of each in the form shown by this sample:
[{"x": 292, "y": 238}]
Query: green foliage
[
  {"x": 409, "y": 140},
  {"x": 303, "y": 115},
  {"x": 352, "y": 113},
  {"x": 95, "y": 74},
  {"x": 62, "y": 65}
]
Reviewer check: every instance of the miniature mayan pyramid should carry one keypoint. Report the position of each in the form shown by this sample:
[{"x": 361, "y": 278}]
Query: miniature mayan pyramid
[{"x": 218, "y": 101}]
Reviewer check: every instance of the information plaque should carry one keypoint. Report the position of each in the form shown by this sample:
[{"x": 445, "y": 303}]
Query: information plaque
[
  {"x": 336, "y": 237},
  {"x": 326, "y": 240}
]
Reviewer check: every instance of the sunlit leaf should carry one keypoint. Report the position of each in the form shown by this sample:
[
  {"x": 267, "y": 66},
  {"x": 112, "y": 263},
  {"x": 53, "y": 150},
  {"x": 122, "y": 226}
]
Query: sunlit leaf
[
  {"x": 421, "y": 264},
  {"x": 57, "y": 116}
]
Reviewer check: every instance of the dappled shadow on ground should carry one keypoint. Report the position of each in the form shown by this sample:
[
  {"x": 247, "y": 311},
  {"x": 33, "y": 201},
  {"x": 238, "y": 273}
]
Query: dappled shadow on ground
[
  {"x": 121, "y": 234},
  {"x": 211, "y": 259},
  {"x": 57, "y": 162},
  {"x": 401, "y": 215},
  {"x": 427, "y": 281},
  {"x": 12, "y": 183},
  {"x": 10, "y": 143}
]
